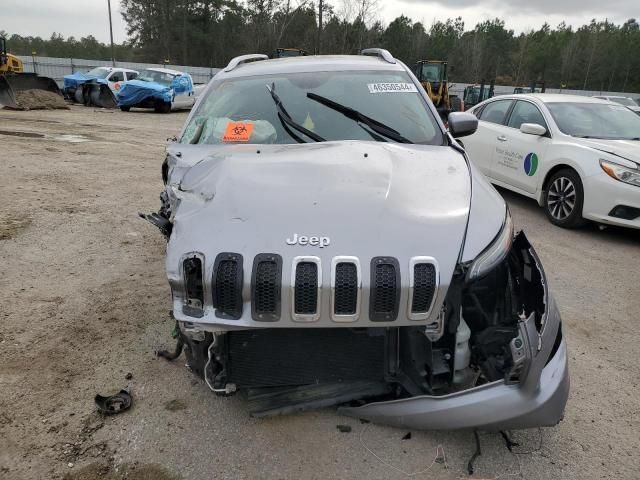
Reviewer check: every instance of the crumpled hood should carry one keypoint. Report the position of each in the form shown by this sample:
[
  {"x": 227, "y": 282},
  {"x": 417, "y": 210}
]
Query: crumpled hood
[
  {"x": 627, "y": 149},
  {"x": 328, "y": 189},
  {"x": 370, "y": 199}
]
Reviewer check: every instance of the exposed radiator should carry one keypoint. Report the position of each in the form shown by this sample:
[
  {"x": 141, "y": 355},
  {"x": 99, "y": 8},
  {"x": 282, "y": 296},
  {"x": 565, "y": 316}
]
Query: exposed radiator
[{"x": 281, "y": 357}]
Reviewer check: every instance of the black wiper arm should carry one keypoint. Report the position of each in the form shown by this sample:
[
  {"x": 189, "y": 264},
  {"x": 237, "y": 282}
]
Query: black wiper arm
[
  {"x": 288, "y": 122},
  {"x": 378, "y": 127}
]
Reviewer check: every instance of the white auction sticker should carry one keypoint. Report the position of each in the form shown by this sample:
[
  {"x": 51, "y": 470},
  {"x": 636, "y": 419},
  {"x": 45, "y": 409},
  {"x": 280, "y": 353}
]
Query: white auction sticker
[{"x": 392, "y": 88}]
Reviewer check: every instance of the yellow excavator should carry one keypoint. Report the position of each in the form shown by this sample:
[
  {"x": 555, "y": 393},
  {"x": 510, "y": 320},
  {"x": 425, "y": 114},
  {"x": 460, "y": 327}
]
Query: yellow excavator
[
  {"x": 432, "y": 74},
  {"x": 21, "y": 90}
]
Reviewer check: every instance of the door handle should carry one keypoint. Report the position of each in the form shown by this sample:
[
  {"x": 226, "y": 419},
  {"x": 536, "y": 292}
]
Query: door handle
[{"x": 502, "y": 138}]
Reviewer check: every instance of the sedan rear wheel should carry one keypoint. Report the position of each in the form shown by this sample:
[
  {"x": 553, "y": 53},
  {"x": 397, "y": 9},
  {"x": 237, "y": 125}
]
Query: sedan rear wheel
[{"x": 564, "y": 198}]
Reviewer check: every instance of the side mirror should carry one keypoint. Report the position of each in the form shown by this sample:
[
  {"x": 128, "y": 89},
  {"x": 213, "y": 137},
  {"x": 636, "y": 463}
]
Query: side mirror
[
  {"x": 462, "y": 124},
  {"x": 533, "y": 129}
]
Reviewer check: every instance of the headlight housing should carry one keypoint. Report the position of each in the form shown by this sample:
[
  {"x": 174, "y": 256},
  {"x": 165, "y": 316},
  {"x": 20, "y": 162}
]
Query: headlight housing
[
  {"x": 621, "y": 173},
  {"x": 495, "y": 253}
]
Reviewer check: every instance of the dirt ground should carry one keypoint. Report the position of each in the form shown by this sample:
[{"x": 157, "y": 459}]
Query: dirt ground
[{"x": 84, "y": 302}]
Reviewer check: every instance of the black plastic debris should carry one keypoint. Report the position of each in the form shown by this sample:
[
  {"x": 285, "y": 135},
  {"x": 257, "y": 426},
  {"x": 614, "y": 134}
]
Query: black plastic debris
[
  {"x": 476, "y": 453},
  {"x": 344, "y": 428},
  {"x": 407, "y": 436},
  {"x": 161, "y": 222},
  {"x": 113, "y": 404}
]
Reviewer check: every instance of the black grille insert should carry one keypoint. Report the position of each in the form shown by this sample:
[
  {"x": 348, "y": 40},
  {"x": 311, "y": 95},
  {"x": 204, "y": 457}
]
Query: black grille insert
[
  {"x": 346, "y": 289},
  {"x": 227, "y": 285},
  {"x": 385, "y": 289},
  {"x": 266, "y": 285},
  {"x": 424, "y": 286},
  {"x": 306, "y": 288}
]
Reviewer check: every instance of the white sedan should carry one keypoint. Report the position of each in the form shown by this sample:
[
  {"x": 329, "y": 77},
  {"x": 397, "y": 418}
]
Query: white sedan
[{"x": 579, "y": 157}]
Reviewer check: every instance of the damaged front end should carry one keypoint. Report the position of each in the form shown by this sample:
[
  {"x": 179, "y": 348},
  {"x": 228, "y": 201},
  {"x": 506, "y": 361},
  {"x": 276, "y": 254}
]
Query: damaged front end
[
  {"x": 421, "y": 338},
  {"x": 96, "y": 93}
]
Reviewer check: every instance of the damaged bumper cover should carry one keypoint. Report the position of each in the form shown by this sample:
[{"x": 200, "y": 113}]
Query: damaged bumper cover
[{"x": 539, "y": 401}]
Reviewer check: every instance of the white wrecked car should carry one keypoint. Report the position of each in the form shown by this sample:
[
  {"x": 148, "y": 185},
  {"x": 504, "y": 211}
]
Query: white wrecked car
[{"x": 329, "y": 243}]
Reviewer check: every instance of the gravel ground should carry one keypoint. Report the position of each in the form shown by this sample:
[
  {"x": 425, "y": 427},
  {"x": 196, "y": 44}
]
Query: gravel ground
[{"x": 84, "y": 303}]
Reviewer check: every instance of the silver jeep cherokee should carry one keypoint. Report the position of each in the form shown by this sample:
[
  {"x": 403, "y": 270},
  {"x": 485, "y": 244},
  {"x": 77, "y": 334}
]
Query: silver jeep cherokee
[{"x": 329, "y": 243}]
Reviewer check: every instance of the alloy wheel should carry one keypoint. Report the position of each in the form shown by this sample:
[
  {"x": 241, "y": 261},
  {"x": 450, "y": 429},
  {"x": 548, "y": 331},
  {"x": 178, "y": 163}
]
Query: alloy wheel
[{"x": 561, "y": 198}]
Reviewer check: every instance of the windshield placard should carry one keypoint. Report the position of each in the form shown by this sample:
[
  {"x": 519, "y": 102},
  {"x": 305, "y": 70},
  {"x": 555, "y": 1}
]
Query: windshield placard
[
  {"x": 396, "y": 87},
  {"x": 238, "y": 132}
]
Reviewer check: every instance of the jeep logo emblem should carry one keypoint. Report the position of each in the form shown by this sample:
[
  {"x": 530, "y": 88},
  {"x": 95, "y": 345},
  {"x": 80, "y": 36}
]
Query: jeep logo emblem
[{"x": 311, "y": 241}]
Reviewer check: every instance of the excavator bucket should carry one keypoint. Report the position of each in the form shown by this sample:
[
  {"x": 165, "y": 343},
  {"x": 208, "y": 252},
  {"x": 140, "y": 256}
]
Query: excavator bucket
[{"x": 28, "y": 91}]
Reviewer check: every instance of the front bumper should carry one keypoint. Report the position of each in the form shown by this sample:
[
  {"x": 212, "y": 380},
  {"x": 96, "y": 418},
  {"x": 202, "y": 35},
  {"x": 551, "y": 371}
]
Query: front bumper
[
  {"x": 539, "y": 401},
  {"x": 602, "y": 193}
]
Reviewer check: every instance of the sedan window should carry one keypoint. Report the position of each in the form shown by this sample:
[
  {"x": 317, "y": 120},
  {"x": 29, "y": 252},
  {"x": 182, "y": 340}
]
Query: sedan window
[
  {"x": 626, "y": 101},
  {"x": 495, "y": 112},
  {"x": 525, "y": 112},
  {"x": 595, "y": 120},
  {"x": 116, "y": 77}
]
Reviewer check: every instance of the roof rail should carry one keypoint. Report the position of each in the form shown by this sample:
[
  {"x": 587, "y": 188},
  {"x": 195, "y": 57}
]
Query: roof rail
[
  {"x": 379, "y": 52},
  {"x": 254, "y": 57}
]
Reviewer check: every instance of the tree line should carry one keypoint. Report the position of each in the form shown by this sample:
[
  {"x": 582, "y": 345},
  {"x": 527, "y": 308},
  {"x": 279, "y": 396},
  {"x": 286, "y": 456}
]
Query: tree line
[{"x": 598, "y": 56}]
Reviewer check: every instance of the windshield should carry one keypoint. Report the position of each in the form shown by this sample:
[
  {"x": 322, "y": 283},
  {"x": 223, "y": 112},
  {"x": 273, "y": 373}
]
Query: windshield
[
  {"x": 99, "y": 72},
  {"x": 596, "y": 120},
  {"x": 430, "y": 72},
  {"x": 627, "y": 102},
  {"x": 162, "y": 78},
  {"x": 247, "y": 105}
]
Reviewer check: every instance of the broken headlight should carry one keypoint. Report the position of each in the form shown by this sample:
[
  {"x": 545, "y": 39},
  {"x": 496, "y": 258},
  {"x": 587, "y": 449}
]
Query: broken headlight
[{"x": 495, "y": 253}]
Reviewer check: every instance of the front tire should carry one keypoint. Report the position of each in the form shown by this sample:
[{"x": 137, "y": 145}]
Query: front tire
[
  {"x": 125, "y": 109},
  {"x": 564, "y": 198},
  {"x": 162, "y": 107}
]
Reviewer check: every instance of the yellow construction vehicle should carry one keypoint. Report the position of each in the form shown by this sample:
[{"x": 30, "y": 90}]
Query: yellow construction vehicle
[
  {"x": 432, "y": 74},
  {"x": 22, "y": 90}
]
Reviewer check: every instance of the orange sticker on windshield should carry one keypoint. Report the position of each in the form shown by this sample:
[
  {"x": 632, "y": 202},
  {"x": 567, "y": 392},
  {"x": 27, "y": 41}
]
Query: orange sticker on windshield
[{"x": 238, "y": 132}]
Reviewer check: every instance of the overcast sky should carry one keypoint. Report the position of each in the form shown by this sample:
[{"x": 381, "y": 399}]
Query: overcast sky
[{"x": 89, "y": 17}]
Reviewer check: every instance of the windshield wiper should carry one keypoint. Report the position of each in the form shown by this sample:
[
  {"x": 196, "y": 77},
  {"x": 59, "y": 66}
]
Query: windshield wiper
[
  {"x": 288, "y": 123},
  {"x": 593, "y": 137},
  {"x": 378, "y": 127}
]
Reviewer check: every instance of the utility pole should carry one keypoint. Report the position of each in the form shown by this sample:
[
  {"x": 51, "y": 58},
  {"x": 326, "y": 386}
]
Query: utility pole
[
  {"x": 113, "y": 57},
  {"x": 319, "y": 41}
]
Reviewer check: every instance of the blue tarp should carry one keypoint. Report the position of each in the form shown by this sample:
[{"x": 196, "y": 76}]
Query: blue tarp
[
  {"x": 137, "y": 91},
  {"x": 75, "y": 79}
]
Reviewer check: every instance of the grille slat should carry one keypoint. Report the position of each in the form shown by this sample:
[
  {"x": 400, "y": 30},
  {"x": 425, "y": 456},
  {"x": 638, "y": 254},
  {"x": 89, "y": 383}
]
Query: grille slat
[
  {"x": 385, "y": 289},
  {"x": 306, "y": 288},
  {"x": 227, "y": 285},
  {"x": 346, "y": 289},
  {"x": 424, "y": 286},
  {"x": 266, "y": 286}
]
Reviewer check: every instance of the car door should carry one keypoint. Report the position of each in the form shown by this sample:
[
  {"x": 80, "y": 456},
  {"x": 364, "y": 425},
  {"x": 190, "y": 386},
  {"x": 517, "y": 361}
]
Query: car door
[
  {"x": 115, "y": 80},
  {"x": 518, "y": 155},
  {"x": 481, "y": 146}
]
